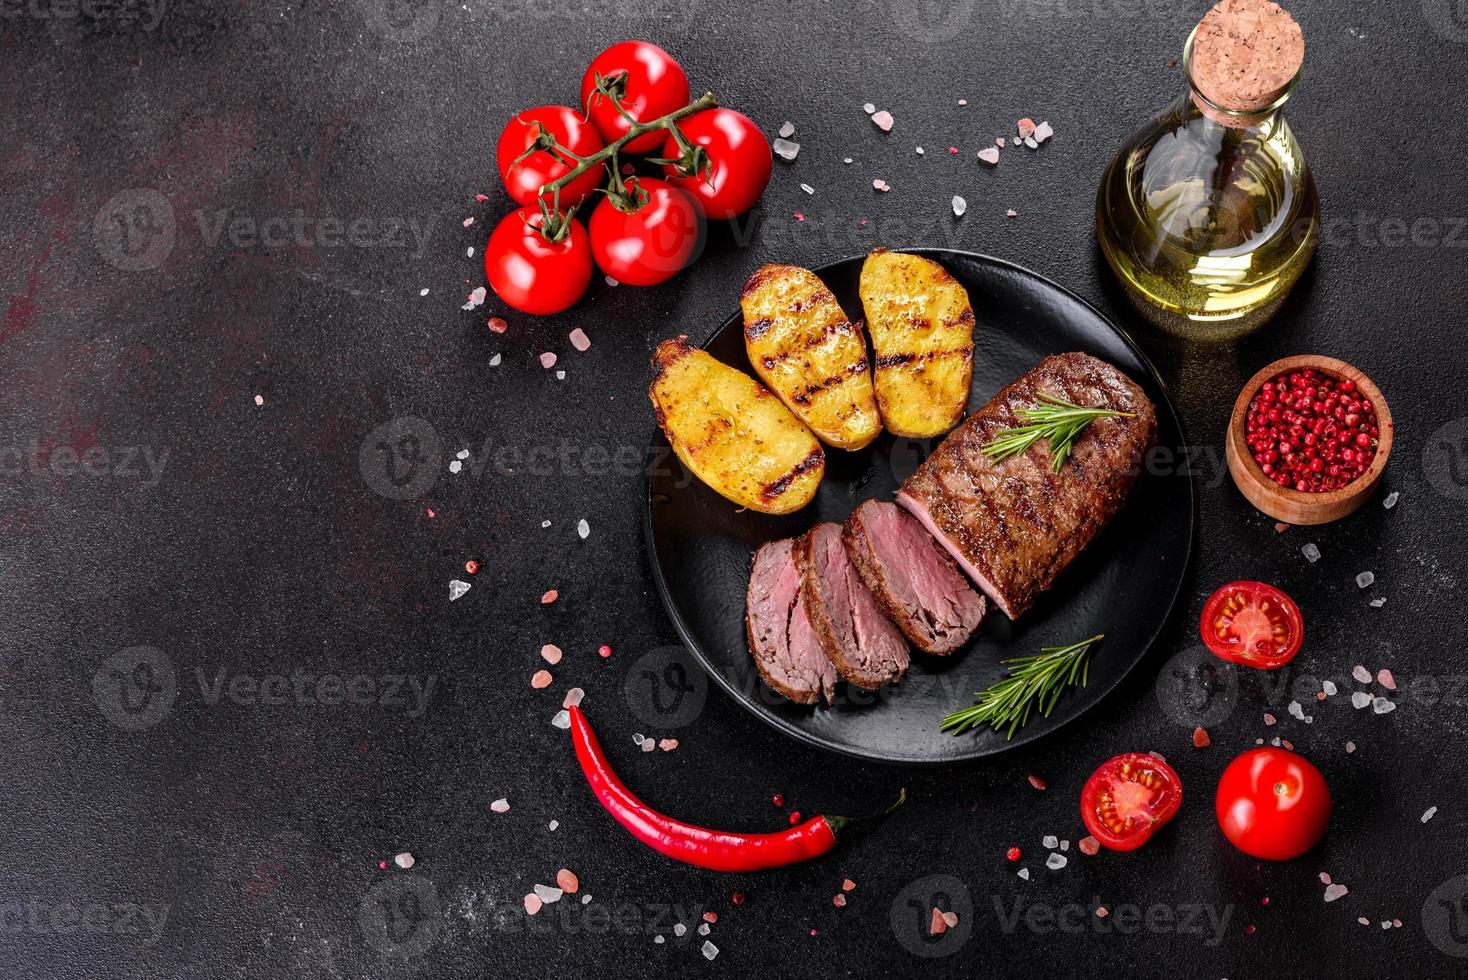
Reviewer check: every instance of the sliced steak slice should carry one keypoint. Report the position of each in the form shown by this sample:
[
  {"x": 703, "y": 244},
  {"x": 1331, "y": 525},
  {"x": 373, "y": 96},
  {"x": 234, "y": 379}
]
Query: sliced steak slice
[
  {"x": 1014, "y": 525},
  {"x": 781, "y": 640},
  {"x": 864, "y": 646},
  {"x": 912, "y": 578}
]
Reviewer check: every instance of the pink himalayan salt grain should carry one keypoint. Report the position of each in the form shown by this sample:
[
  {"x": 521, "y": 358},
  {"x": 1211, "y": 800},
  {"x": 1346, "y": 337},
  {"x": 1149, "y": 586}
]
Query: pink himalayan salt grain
[
  {"x": 573, "y": 697},
  {"x": 989, "y": 155},
  {"x": 847, "y": 885},
  {"x": 1269, "y": 719},
  {"x": 1026, "y": 127},
  {"x": 1101, "y": 912},
  {"x": 1011, "y": 213},
  {"x": 567, "y": 880},
  {"x": 881, "y": 185},
  {"x": 883, "y": 120},
  {"x": 481, "y": 198},
  {"x": 950, "y": 919},
  {"x": 549, "y": 597},
  {"x": 1201, "y": 739},
  {"x": 1281, "y": 527},
  {"x": 551, "y": 654},
  {"x": 579, "y": 340},
  {"x": 711, "y": 917},
  {"x": 1385, "y": 679},
  {"x": 541, "y": 679},
  {"x": 936, "y": 924},
  {"x": 1037, "y": 782},
  {"x": 1090, "y": 846},
  {"x": 498, "y": 324},
  {"x": 501, "y": 805},
  {"x": 533, "y": 904},
  {"x": 548, "y": 360},
  {"x": 839, "y": 900},
  {"x": 667, "y": 744}
]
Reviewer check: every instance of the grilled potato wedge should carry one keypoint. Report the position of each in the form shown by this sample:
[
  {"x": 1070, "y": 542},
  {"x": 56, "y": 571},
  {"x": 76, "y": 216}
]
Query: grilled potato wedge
[
  {"x": 732, "y": 433},
  {"x": 922, "y": 331},
  {"x": 802, "y": 345}
]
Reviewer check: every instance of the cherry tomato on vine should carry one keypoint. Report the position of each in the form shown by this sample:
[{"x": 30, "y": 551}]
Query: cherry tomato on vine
[
  {"x": 652, "y": 243},
  {"x": 1253, "y": 624},
  {"x": 646, "y": 80},
  {"x": 1128, "y": 798},
  {"x": 524, "y": 178},
  {"x": 1272, "y": 804},
  {"x": 739, "y": 156},
  {"x": 532, "y": 273}
]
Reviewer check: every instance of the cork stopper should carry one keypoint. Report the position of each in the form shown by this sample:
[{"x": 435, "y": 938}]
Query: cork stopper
[{"x": 1245, "y": 54}]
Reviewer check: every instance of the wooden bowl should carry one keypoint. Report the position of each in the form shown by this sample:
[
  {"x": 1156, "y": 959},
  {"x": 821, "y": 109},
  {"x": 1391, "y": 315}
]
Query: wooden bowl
[{"x": 1289, "y": 505}]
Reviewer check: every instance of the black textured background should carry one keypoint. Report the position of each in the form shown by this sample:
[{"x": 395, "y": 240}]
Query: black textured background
[{"x": 260, "y": 548}]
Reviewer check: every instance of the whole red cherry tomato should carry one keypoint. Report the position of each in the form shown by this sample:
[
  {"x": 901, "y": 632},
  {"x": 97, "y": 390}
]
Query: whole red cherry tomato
[
  {"x": 652, "y": 243},
  {"x": 1128, "y": 798},
  {"x": 1253, "y": 624},
  {"x": 1272, "y": 804},
  {"x": 531, "y": 273},
  {"x": 648, "y": 83},
  {"x": 524, "y": 178},
  {"x": 739, "y": 158}
]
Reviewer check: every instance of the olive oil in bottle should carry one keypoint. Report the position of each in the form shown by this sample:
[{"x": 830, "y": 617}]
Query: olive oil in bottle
[{"x": 1209, "y": 214}]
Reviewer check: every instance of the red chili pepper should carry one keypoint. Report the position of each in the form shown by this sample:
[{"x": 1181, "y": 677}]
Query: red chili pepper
[{"x": 713, "y": 849}]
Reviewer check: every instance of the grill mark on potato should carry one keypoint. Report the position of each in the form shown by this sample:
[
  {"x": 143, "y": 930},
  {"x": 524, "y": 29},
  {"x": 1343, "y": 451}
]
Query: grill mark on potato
[
  {"x": 815, "y": 458},
  {"x": 908, "y": 357},
  {"x": 758, "y": 328}
]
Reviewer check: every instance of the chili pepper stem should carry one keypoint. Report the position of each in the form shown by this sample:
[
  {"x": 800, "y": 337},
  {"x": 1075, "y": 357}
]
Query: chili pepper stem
[{"x": 840, "y": 823}]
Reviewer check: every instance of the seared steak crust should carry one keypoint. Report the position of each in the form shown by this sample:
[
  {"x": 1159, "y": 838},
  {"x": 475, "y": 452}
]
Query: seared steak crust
[{"x": 1015, "y": 524}]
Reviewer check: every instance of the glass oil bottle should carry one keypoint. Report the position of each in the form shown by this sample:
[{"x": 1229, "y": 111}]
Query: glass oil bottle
[{"x": 1209, "y": 214}]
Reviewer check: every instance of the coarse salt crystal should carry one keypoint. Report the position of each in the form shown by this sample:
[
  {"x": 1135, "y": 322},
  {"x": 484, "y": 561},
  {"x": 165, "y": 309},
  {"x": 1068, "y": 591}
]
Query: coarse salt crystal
[
  {"x": 1385, "y": 679},
  {"x": 1329, "y": 687},
  {"x": 963, "y": 101},
  {"x": 881, "y": 185},
  {"x": 573, "y": 697},
  {"x": 1361, "y": 674},
  {"x": 533, "y": 904},
  {"x": 1324, "y": 877},
  {"x": 1089, "y": 846},
  {"x": 1024, "y": 873},
  {"x": 667, "y": 744},
  {"x": 562, "y": 719},
  {"x": 1429, "y": 814},
  {"x": 1026, "y": 127},
  {"x": 495, "y": 361},
  {"x": 1378, "y": 602},
  {"x": 659, "y": 940},
  {"x": 553, "y": 824},
  {"x": 567, "y": 880},
  {"x": 551, "y": 595},
  {"x": 847, "y": 885},
  {"x": 1360, "y": 699},
  {"x": 1049, "y": 840},
  {"x": 547, "y": 894},
  {"x": 838, "y": 900},
  {"x": 1311, "y": 553},
  {"x": 937, "y": 925},
  {"x": 611, "y": 281},
  {"x": 406, "y": 860},
  {"x": 999, "y": 141},
  {"x": 1043, "y": 132},
  {"x": 785, "y": 149},
  {"x": 704, "y": 929},
  {"x": 959, "y": 206},
  {"x": 1381, "y": 706},
  {"x": 455, "y": 466},
  {"x": 551, "y": 654},
  {"x": 950, "y": 919},
  {"x": 548, "y": 360},
  {"x": 579, "y": 340},
  {"x": 541, "y": 679},
  {"x": 469, "y": 252},
  {"x": 1065, "y": 845},
  {"x": 457, "y": 589},
  {"x": 1101, "y": 912},
  {"x": 1391, "y": 500},
  {"x": 787, "y": 129},
  {"x": 989, "y": 154},
  {"x": 1333, "y": 892},
  {"x": 648, "y": 745},
  {"x": 1350, "y": 747},
  {"x": 500, "y": 805},
  {"x": 679, "y": 929},
  {"x": 868, "y": 108},
  {"x": 638, "y": 738},
  {"x": 807, "y": 188},
  {"x": 259, "y": 399},
  {"x": 423, "y": 292},
  {"x": 583, "y": 528},
  {"x": 1055, "y": 862},
  {"x": 1365, "y": 579},
  {"x": 883, "y": 120},
  {"x": 468, "y": 222},
  {"x": 1296, "y": 711},
  {"x": 1011, "y": 213},
  {"x": 709, "y": 950},
  {"x": 476, "y": 298},
  {"x": 847, "y": 160},
  {"x": 919, "y": 151},
  {"x": 1269, "y": 719},
  {"x": 1030, "y": 143}
]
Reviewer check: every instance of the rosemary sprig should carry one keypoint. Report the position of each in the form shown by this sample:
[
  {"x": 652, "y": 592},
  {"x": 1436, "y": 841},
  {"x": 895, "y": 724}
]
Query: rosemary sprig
[
  {"x": 1053, "y": 419},
  {"x": 1032, "y": 682}
]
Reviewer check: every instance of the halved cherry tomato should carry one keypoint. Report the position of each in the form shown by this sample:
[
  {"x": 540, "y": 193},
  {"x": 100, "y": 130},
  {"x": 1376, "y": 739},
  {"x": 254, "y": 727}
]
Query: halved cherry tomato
[
  {"x": 1272, "y": 804},
  {"x": 1253, "y": 624},
  {"x": 524, "y": 178},
  {"x": 646, "y": 246},
  {"x": 1128, "y": 798},
  {"x": 648, "y": 83},
  {"x": 531, "y": 273},
  {"x": 739, "y": 158}
]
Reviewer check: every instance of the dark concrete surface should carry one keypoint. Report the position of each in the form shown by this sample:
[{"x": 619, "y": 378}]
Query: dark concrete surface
[{"x": 163, "y": 537}]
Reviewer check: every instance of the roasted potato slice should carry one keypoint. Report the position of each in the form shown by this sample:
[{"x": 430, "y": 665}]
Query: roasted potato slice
[
  {"x": 922, "y": 331},
  {"x": 802, "y": 345},
  {"x": 732, "y": 433}
]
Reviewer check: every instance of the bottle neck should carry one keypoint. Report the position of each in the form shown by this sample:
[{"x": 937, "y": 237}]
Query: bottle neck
[{"x": 1260, "y": 113}]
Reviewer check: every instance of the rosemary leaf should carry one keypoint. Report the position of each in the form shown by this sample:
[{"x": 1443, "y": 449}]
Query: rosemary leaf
[
  {"x": 1055, "y": 420},
  {"x": 1033, "y": 682}
]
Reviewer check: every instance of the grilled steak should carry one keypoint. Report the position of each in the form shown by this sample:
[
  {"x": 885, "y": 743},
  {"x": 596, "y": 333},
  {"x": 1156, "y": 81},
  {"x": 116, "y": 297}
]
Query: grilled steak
[
  {"x": 1013, "y": 525},
  {"x": 912, "y": 578},
  {"x": 781, "y": 640},
  {"x": 865, "y": 648}
]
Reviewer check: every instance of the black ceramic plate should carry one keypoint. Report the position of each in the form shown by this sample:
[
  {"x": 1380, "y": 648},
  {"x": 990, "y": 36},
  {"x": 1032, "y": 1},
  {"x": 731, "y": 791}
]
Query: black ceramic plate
[{"x": 1123, "y": 585}]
